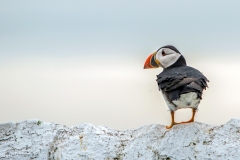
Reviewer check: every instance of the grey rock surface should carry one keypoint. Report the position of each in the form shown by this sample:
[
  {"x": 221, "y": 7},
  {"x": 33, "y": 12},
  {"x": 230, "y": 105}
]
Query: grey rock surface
[{"x": 34, "y": 139}]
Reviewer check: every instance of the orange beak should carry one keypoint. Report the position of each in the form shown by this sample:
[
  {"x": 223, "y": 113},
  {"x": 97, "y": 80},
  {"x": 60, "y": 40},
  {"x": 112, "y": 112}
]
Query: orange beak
[{"x": 151, "y": 62}]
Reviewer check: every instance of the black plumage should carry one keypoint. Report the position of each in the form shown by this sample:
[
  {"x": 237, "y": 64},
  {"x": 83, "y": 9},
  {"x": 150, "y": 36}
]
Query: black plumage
[{"x": 179, "y": 79}]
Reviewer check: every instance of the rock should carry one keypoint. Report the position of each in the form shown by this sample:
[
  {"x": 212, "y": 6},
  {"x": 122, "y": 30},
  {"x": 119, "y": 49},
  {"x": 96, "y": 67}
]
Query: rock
[
  {"x": 26, "y": 140},
  {"x": 34, "y": 139}
]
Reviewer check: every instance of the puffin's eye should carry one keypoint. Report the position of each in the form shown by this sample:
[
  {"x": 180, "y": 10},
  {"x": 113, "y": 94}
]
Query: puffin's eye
[{"x": 163, "y": 53}]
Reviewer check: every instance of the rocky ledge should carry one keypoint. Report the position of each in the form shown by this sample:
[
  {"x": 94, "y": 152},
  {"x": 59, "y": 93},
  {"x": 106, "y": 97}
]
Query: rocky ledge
[{"x": 38, "y": 140}]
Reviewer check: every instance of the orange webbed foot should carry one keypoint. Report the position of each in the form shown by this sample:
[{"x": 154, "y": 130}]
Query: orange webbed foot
[
  {"x": 191, "y": 120},
  {"x": 172, "y": 124}
]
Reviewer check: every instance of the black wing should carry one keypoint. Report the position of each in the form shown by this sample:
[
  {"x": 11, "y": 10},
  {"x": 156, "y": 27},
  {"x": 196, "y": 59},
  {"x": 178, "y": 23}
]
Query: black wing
[{"x": 178, "y": 80}]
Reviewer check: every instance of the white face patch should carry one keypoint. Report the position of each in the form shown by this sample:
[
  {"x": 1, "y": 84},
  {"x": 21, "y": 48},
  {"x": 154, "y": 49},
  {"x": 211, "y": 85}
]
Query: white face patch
[{"x": 167, "y": 59}]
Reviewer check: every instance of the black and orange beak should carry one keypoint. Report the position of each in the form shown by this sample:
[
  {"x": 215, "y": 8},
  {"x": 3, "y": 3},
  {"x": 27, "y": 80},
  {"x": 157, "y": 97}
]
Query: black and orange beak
[{"x": 151, "y": 62}]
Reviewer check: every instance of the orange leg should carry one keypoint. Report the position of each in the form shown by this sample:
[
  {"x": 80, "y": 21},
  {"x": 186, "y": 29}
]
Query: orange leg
[
  {"x": 193, "y": 115},
  {"x": 173, "y": 122}
]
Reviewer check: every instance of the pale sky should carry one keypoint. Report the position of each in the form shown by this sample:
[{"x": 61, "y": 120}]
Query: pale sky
[{"x": 71, "y": 62}]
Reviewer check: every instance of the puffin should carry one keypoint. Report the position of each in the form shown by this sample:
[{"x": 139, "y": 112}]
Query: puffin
[{"x": 181, "y": 85}]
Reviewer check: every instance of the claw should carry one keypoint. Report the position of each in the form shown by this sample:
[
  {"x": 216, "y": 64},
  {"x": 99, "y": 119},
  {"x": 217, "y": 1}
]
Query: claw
[{"x": 168, "y": 127}]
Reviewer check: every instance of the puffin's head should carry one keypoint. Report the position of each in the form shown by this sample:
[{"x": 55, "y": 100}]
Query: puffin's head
[{"x": 163, "y": 57}]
